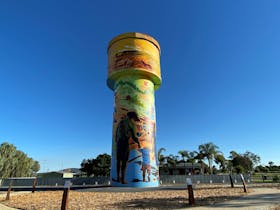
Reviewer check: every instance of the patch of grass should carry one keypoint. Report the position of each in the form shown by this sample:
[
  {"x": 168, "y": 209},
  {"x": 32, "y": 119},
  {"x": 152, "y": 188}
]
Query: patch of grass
[{"x": 268, "y": 177}]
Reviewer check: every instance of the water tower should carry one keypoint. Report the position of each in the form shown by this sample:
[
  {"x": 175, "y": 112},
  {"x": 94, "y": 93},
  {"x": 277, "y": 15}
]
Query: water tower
[{"x": 134, "y": 75}]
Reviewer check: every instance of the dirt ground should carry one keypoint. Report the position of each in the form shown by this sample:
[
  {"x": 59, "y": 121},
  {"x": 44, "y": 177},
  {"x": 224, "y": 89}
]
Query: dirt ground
[{"x": 160, "y": 199}]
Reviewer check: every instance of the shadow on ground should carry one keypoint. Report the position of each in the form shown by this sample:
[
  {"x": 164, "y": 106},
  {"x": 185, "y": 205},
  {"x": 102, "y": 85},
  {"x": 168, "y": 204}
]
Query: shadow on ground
[
  {"x": 171, "y": 203},
  {"x": 253, "y": 201}
]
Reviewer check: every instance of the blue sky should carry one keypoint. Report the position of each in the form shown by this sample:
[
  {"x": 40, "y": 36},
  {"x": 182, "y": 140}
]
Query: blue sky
[{"x": 220, "y": 66}]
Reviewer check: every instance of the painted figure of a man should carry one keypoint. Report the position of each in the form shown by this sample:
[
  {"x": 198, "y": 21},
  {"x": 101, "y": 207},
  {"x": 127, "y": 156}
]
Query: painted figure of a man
[
  {"x": 146, "y": 163},
  {"x": 125, "y": 131}
]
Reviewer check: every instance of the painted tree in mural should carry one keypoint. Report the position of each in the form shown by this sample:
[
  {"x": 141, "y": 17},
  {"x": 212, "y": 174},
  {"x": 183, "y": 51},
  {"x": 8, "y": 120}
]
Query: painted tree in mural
[{"x": 15, "y": 163}]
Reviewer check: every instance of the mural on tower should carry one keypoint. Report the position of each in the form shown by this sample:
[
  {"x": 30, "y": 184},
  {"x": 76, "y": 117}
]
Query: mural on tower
[{"x": 134, "y": 74}]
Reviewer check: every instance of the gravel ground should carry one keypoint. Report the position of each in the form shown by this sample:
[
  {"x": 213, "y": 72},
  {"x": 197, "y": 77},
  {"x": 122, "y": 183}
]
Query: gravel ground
[
  {"x": 175, "y": 197},
  {"x": 160, "y": 199}
]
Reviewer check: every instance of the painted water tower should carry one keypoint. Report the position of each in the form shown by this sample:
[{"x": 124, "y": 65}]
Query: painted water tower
[{"x": 134, "y": 75}]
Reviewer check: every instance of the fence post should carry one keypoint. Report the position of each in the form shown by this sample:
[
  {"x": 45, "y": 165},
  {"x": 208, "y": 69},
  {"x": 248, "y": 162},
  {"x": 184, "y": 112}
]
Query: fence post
[
  {"x": 64, "y": 202},
  {"x": 9, "y": 191},
  {"x": 34, "y": 185},
  {"x": 190, "y": 192},
  {"x": 244, "y": 184},
  {"x": 231, "y": 181}
]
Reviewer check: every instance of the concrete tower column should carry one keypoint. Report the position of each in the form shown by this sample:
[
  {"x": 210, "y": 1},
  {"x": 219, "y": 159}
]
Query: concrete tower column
[{"x": 134, "y": 75}]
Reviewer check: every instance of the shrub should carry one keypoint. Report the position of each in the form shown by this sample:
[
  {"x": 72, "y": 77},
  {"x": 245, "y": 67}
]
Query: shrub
[{"x": 275, "y": 178}]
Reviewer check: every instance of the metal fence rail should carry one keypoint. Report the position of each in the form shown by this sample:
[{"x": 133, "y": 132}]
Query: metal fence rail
[
  {"x": 202, "y": 179},
  {"x": 164, "y": 179},
  {"x": 54, "y": 181}
]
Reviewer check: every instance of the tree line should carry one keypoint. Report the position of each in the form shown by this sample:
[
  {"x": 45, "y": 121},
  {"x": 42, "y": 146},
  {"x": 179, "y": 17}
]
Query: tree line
[
  {"x": 99, "y": 166},
  {"x": 215, "y": 160},
  {"x": 208, "y": 156},
  {"x": 15, "y": 163},
  {"x": 271, "y": 167}
]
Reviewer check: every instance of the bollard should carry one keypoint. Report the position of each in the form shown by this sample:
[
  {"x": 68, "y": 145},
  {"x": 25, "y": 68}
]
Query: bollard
[
  {"x": 9, "y": 191},
  {"x": 190, "y": 192},
  {"x": 231, "y": 182},
  {"x": 244, "y": 184},
  {"x": 34, "y": 185},
  {"x": 65, "y": 201}
]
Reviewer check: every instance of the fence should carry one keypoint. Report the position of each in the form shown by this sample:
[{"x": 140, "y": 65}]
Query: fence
[
  {"x": 164, "y": 179},
  {"x": 55, "y": 181},
  {"x": 202, "y": 179}
]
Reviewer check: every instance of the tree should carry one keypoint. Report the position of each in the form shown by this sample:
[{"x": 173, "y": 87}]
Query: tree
[
  {"x": 244, "y": 162},
  {"x": 261, "y": 168},
  {"x": 184, "y": 155},
  {"x": 200, "y": 157},
  {"x": 221, "y": 161},
  {"x": 35, "y": 166},
  {"x": 239, "y": 169},
  {"x": 270, "y": 163},
  {"x": 15, "y": 163},
  {"x": 233, "y": 154},
  {"x": 253, "y": 157},
  {"x": 99, "y": 166},
  {"x": 103, "y": 165},
  {"x": 209, "y": 150},
  {"x": 87, "y": 166},
  {"x": 192, "y": 159},
  {"x": 171, "y": 160},
  {"x": 161, "y": 157},
  {"x": 7, "y": 156}
]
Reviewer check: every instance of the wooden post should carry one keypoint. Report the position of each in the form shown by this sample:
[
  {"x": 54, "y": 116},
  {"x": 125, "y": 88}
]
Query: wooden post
[
  {"x": 34, "y": 185},
  {"x": 231, "y": 181},
  {"x": 9, "y": 192},
  {"x": 244, "y": 184},
  {"x": 190, "y": 192},
  {"x": 64, "y": 202}
]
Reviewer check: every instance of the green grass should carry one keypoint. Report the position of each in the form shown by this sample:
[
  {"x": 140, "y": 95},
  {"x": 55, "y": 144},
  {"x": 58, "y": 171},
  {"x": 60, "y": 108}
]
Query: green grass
[{"x": 258, "y": 177}]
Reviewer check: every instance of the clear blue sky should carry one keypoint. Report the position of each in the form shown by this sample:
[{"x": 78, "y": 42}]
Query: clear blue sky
[{"x": 220, "y": 65}]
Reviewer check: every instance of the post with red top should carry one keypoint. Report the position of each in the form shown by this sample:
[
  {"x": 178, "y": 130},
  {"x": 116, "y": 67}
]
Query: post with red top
[{"x": 190, "y": 192}]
